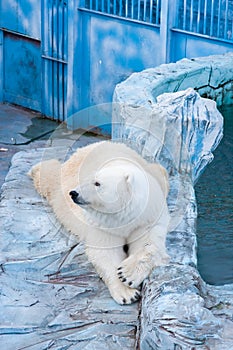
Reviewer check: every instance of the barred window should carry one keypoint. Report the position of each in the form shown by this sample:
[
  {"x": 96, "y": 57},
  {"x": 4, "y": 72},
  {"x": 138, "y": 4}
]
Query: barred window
[
  {"x": 141, "y": 10},
  {"x": 208, "y": 17}
]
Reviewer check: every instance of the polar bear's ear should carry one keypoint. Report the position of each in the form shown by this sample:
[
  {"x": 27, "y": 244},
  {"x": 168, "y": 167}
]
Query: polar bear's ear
[
  {"x": 128, "y": 178},
  {"x": 160, "y": 173},
  {"x": 129, "y": 181}
]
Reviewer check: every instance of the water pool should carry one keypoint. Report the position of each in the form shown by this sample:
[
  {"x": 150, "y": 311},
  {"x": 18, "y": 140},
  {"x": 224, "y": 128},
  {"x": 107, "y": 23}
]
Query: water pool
[{"x": 214, "y": 192}]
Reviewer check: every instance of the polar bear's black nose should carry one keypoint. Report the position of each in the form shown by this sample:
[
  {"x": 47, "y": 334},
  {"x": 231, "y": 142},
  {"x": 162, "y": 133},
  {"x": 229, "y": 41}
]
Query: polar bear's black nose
[{"x": 74, "y": 195}]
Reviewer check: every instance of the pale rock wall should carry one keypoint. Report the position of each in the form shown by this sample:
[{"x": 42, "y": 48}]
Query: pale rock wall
[
  {"x": 179, "y": 129},
  {"x": 211, "y": 76}
]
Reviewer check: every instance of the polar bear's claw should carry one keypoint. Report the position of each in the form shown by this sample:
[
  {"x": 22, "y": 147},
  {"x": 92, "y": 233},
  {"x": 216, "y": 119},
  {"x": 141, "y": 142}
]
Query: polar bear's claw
[
  {"x": 123, "y": 279},
  {"x": 132, "y": 299},
  {"x": 132, "y": 272},
  {"x": 123, "y": 294}
]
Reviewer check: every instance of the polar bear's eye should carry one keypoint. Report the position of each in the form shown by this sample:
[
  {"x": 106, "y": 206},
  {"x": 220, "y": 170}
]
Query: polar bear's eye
[{"x": 97, "y": 184}]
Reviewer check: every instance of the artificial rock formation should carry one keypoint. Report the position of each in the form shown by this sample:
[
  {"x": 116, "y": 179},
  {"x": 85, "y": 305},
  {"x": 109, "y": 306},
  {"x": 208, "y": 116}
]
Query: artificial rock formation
[
  {"x": 180, "y": 130},
  {"x": 51, "y": 298}
]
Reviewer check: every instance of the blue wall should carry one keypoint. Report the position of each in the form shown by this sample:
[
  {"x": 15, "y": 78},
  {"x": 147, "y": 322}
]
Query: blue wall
[
  {"x": 191, "y": 45},
  {"x": 111, "y": 50},
  {"x": 60, "y": 57},
  {"x": 21, "y": 16},
  {"x": 22, "y": 71},
  {"x": 20, "y": 57}
]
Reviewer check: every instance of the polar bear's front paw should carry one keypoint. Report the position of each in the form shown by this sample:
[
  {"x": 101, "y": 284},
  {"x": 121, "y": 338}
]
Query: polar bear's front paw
[
  {"x": 123, "y": 294},
  {"x": 132, "y": 271}
]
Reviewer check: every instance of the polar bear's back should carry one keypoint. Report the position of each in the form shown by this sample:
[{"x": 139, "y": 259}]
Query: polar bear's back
[{"x": 92, "y": 157}]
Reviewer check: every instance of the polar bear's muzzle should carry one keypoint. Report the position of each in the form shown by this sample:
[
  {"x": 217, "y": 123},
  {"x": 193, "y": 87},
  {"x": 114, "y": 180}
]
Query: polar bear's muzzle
[{"x": 77, "y": 199}]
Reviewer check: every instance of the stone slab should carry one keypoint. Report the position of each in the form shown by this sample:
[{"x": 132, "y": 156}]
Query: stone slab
[{"x": 51, "y": 296}]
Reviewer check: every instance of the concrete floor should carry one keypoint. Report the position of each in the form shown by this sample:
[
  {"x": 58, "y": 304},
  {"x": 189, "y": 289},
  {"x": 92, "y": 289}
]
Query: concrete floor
[
  {"x": 22, "y": 129},
  {"x": 14, "y": 124}
]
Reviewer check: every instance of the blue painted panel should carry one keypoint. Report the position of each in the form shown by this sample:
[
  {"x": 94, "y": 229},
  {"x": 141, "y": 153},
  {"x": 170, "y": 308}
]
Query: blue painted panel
[
  {"x": 1, "y": 66},
  {"x": 94, "y": 118},
  {"x": 117, "y": 49},
  {"x": 21, "y": 16},
  {"x": 22, "y": 71},
  {"x": 178, "y": 47},
  {"x": 191, "y": 45},
  {"x": 197, "y": 46},
  {"x": 111, "y": 50}
]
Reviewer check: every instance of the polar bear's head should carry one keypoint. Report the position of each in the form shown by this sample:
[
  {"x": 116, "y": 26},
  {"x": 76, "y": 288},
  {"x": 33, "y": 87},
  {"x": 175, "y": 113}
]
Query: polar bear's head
[{"x": 117, "y": 190}]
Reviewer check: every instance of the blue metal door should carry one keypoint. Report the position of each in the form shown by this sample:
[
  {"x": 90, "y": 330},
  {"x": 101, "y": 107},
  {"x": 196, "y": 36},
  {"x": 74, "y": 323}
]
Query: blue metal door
[
  {"x": 20, "y": 56},
  {"x": 113, "y": 39},
  {"x": 54, "y": 44}
]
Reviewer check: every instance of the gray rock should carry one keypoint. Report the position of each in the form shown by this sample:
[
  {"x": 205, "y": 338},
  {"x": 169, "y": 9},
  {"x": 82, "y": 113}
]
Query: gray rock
[{"x": 180, "y": 312}]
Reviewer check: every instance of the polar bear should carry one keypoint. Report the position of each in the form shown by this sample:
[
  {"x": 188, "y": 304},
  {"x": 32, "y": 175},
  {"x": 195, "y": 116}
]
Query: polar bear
[{"x": 115, "y": 202}]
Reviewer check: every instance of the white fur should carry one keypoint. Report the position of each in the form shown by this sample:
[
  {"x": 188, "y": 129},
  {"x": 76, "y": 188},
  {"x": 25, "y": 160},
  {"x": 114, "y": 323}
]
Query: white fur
[{"x": 123, "y": 202}]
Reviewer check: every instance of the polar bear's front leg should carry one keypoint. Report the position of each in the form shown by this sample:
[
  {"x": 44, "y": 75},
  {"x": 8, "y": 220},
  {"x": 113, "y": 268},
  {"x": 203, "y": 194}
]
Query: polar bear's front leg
[
  {"x": 106, "y": 262},
  {"x": 145, "y": 253}
]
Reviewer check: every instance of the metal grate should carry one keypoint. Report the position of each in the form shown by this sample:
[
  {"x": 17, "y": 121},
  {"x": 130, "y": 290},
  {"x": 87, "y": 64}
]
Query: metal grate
[
  {"x": 54, "y": 54},
  {"x": 209, "y": 17},
  {"x": 140, "y": 10}
]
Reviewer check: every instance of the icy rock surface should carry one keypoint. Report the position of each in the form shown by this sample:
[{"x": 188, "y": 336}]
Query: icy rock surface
[
  {"x": 51, "y": 298},
  {"x": 50, "y": 295},
  {"x": 180, "y": 130},
  {"x": 211, "y": 76}
]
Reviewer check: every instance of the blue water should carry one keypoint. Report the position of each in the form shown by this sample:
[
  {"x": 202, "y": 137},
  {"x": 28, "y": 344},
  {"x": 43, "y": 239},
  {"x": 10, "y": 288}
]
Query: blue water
[{"x": 214, "y": 192}]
